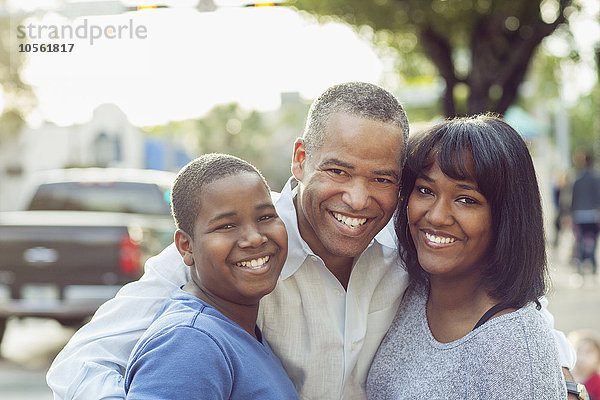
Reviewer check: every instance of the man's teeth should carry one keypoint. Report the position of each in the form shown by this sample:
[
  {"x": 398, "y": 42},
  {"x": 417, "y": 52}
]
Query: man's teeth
[
  {"x": 256, "y": 263},
  {"x": 439, "y": 239},
  {"x": 351, "y": 222}
]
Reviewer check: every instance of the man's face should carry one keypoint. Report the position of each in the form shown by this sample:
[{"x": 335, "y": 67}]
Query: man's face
[{"x": 348, "y": 188}]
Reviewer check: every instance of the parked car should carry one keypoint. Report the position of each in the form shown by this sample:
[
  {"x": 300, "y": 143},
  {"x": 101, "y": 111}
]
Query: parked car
[{"x": 84, "y": 233}]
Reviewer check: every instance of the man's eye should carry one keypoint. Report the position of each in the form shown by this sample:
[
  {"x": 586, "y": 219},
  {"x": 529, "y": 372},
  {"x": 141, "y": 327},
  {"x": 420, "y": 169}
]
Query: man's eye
[
  {"x": 336, "y": 171},
  {"x": 383, "y": 180}
]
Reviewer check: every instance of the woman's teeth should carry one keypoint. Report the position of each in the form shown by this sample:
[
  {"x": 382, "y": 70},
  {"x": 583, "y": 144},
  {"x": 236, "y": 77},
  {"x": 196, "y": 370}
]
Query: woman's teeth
[
  {"x": 439, "y": 239},
  {"x": 256, "y": 263},
  {"x": 351, "y": 222}
]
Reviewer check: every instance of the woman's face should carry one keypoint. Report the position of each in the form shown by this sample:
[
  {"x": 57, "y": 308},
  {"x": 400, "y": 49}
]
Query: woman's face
[{"x": 450, "y": 223}]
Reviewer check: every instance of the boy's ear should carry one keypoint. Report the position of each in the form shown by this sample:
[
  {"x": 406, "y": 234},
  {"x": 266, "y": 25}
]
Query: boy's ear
[
  {"x": 298, "y": 159},
  {"x": 183, "y": 242}
]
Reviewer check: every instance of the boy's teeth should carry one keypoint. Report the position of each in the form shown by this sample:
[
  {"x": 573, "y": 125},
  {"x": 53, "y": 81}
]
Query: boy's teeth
[
  {"x": 351, "y": 222},
  {"x": 256, "y": 263},
  {"x": 439, "y": 239}
]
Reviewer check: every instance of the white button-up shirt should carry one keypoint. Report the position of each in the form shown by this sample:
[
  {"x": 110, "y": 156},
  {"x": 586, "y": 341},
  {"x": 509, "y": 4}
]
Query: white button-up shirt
[{"x": 325, "y": 336}]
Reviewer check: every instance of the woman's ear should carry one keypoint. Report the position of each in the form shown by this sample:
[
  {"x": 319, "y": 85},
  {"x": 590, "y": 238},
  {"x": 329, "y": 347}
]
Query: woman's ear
[{"x": 183, "y": 242}]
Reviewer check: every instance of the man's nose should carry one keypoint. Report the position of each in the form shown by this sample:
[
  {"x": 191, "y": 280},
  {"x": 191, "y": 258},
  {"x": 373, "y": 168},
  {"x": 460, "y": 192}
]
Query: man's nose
[{"x": 356, "y": 194}]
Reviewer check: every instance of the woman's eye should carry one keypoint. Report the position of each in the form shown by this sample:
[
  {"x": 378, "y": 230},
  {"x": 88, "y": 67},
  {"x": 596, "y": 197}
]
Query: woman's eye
[
  {"x": 468, "y": 200},
  {"x": 423, "y": 190}
]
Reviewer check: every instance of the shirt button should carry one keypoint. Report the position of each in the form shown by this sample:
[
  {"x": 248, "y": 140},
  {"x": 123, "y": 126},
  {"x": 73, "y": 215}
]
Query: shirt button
[
  {"x": 353, "y": 346},
  {"x": 314, "y": 258},
  {"x": 337, "y": 292}
]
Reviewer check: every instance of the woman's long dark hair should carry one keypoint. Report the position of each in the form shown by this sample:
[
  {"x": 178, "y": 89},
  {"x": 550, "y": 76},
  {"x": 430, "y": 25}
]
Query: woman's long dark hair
[{"x": 515, "y": 272}]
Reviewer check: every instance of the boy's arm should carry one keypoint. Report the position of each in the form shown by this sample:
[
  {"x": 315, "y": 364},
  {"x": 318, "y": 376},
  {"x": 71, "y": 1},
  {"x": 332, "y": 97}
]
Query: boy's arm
[{"x": 92, "y": 364}]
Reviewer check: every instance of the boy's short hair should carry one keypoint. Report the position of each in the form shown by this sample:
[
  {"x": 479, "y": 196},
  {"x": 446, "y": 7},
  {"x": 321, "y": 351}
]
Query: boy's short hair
[{"x": 185, "y": 194}]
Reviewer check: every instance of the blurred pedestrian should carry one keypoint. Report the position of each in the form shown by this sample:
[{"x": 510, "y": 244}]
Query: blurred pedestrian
[
  {"x": 561, "y": 205},
  {"x": 585, "y": 211},
  {"x": 587, "y": 367}
]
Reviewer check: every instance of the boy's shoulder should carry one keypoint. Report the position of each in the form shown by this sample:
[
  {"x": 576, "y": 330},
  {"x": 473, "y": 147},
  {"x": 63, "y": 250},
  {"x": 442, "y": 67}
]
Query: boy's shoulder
[{"x": 183, "y": 310}]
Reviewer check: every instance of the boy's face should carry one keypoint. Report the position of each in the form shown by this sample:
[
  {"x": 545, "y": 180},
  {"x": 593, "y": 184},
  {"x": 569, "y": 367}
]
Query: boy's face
[{"x": 239, "y": 245}]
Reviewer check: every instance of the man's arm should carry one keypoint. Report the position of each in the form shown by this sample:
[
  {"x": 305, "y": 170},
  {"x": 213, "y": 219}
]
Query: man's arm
[
  {"x": 92, "y": 364},
  {"x": 566, "y": 352}
]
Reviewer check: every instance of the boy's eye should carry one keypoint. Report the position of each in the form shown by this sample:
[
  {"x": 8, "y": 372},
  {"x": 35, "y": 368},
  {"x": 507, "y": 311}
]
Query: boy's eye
[
  {"x": 225, "y": 227},
  {"x": 267, "y": 217}
]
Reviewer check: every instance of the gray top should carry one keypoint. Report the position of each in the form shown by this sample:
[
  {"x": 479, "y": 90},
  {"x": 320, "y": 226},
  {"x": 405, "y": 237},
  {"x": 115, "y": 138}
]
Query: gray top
[{"x": 512, "y": 356}]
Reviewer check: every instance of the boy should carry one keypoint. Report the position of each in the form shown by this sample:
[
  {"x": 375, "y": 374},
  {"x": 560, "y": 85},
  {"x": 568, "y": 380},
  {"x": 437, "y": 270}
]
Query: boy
[{"x": 204, "y": 342}]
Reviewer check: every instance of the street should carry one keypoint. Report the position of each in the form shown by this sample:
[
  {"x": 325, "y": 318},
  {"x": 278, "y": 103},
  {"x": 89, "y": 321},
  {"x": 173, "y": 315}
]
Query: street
[
  {"x": 28, "y": 348},
  {"x": 31, "y": 344}
]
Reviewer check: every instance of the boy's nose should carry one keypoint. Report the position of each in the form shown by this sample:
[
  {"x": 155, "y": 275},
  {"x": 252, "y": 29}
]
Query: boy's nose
[{"x": 252, "y": 237}]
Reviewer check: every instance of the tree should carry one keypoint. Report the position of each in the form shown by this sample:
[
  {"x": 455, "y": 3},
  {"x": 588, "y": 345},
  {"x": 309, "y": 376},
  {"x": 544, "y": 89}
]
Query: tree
[
  {"x": 484, "y": 46},
  {"x": 19, "y": 98}
]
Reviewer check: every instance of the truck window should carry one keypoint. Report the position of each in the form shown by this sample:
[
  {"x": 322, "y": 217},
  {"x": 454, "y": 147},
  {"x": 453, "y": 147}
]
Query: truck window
[{"x": 124, "y": 197}]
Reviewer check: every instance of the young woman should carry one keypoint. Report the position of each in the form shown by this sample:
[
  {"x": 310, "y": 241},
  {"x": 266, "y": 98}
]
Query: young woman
[{"x": 470, "y": 226}]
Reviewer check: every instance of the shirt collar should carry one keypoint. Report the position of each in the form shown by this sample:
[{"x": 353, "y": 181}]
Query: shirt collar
[{"x": 298, "y": 250}]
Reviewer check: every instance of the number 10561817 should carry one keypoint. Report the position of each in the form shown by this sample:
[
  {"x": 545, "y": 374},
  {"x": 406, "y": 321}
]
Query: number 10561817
[{"x": 46, "y": 48}]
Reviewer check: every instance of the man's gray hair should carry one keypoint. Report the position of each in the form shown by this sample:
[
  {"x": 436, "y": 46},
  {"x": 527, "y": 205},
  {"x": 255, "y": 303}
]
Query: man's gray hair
[{"x": 357, "y": 98}]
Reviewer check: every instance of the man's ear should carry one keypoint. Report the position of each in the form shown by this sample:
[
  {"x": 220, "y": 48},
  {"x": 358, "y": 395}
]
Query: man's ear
[
  {"x": 298, "y": 159},
  {"x": 183, "y": 242}
]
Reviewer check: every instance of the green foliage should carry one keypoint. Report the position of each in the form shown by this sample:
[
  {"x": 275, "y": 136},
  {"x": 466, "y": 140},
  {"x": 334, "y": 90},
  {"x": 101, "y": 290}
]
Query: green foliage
[
  {"x": 584, "y": 123},
  {"x": 18, "y": 96},
  {"x": 484, "y": 46},
  {"x": 264, "y": 139}
]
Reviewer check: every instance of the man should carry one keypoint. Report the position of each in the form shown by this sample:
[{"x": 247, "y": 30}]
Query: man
[{"x": 341, "y": 284}]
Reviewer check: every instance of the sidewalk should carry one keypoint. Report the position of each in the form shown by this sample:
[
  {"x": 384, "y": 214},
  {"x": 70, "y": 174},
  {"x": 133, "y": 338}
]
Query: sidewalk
[{"x": 574, "y": 300}]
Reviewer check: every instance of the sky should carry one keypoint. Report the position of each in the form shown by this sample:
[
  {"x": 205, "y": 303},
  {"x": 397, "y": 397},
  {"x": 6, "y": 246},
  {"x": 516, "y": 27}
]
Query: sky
[
  {"x": 190, "y": 61},
  {"x": 187, "y": 62}
]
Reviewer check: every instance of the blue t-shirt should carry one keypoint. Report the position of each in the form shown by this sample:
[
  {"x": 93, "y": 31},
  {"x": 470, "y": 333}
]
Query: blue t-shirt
[{"x": 192, "y": 351}]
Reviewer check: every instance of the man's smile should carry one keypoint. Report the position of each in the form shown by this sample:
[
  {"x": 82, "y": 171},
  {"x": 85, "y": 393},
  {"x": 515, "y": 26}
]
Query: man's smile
[{"x": 352, "y": 222}]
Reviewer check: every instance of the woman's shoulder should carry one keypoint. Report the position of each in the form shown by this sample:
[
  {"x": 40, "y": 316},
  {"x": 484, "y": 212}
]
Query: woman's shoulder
[
  {"x": 518, "y": 343},
  {"x": 524, "y": 325}
]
